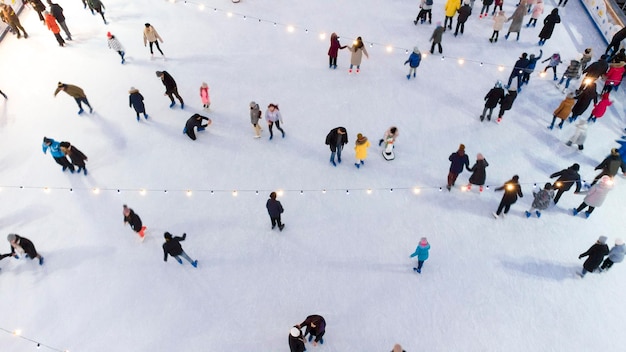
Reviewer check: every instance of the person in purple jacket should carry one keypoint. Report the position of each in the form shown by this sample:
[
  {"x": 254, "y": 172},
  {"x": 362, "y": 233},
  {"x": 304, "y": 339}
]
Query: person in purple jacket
[
  {"x": 457, "y": 159},
  {"x": 333, "y": 51},
  {"x": 315, "y": 328}
]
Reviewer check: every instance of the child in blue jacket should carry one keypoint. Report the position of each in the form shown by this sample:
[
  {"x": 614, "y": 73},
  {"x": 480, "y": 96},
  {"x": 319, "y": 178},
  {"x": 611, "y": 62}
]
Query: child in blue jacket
[
  {"x": 57, "y": 154},
  {"x": 414, "y": 61},
  {"x": 422, "y": 254}
]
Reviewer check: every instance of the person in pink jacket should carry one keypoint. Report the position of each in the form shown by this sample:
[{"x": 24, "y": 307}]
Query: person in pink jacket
[
  {"x": 595, "y": 196},
  {"x": 204, "y": 95},
  {"x": 613, "y": 77},
  {"x": 537, "y": 11},
  {"x": 600, "y": 108}
]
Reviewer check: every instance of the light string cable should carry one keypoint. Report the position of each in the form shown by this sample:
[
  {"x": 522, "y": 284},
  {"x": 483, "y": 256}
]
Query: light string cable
[{"x": 18, "y": 333}]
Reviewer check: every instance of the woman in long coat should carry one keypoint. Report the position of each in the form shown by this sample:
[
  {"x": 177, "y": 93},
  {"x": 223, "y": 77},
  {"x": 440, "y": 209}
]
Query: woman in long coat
[
  {"x": 548, "y": 26},
  {"x": 479, "y": 174},
  {"x": 517, "y": 19},
  {"x": 357, "y": 50}
]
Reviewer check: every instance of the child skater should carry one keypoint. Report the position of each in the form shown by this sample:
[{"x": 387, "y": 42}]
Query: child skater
[
  {"x": 555, "y": 60},
  {"x": 360, "y": 149},
  {"x": 564, "y": 110},
  {"x": 422, "y": 254},
  {"x": 600, "y": 108},
  {"x": 116, "y": 45},
  {"x": 414, "y": 61},
  {"x": 134, "y": 220},
  {"x": 542, "y": 200},
  {"x": 579, "y": 136},
  {"x": 204, "y": 95}
]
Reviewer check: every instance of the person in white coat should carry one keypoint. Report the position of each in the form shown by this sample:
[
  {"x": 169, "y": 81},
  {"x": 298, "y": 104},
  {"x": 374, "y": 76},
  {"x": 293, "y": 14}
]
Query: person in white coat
[
  {"x": 616, "y": 255},
  {"x": 595, "y": 196},
  {"x": 116, "y": 45},
  {"x": 273, "y": 117},
  {"x": 579, "y": 136}
]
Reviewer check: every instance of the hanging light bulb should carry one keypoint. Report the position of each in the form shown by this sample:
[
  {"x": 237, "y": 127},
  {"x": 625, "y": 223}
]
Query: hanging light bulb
[
  {"x": 461, "y": 61},
  {"x": 188, "y": 193},
  {"x": 96, "y": 190},
  {"x": 290, "y": 29},
  {"x": 142, "y": 192},
  {"x": 417, "y": 190},
  {"x": 235, "y": 193},
  {"x": 322, "y": 36},
  {"x": 389, "y": 48}
]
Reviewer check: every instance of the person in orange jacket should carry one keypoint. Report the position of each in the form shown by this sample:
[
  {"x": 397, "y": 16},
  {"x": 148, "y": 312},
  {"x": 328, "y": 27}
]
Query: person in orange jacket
[{"x": 51, "y": 22}]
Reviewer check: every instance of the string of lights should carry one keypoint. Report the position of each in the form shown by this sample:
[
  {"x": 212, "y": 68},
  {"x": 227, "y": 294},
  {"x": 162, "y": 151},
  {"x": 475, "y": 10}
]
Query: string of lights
[
  {"x": 18, "y": 333},
  {"x": 389, "y": 48}
]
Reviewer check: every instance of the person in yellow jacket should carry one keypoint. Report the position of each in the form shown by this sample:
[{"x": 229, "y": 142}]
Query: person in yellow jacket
[
  {"x": 452, "y": 6},
  {"x": 151, "y": 36},
  {"x": 360, "y": 149},
  {"x": 75, "y": 92}
]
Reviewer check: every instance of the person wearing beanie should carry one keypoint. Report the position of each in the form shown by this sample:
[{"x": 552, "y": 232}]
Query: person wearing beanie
[
  {"x": 458, "y": 160},
  {"x": 9, "y": 16},
  {"x": 542, "y": 200},
  {"x": 426, "y": 10},
  {"x": 195, "y": 121},
  {"x": 492, "y": 99},
  {"x": 563, "y": 110},
  {"x": 616, "y": 255},
  {"x": 274, "y": 117},
  {"x": 135, "y": 101},
  {"x": 512, "y": 189},
  {"x": 421, "y": 252},
  {"x": 76, "y": 156},
  {"x": 595, "y": 196},
  {"x": 52, "y": 25},
  {"x": 97, "y": 6},
  {"x": 315, "y": 327},
  {"x": 131, "y": 218},
  {"x": 566, "y": 179},
  {"x": 255, "y": 116},
  {"x": 414, "y": 61},
  {"x": 610, "y": 166},
  {"x": 204, "y": 96},
  {"x": 333, "y": 51},
  {"x": 21, "y": 246},
  {"x": 171, "y": 89},
  {"x": 57, "y": 153},
  {"x": 580, "y": 135},
  {"x": 172, "y": 247},
  {"x": 336, "y": 139},
  {"x": 506, "y": 103},
  {"x": 75, "y": 92},
  {"x": 479, "y": 173},
  {"x": 151, "y": 36},
  {"x": 116, "y": 45},
  {"x": 57, "y": 11},
  {"x": 296, "y": 340},
  {"x": 274, "y": 209},
  {"x": 595, "y": 256},
  {"x": 389, "y": 137},
  {"x": 360, "y": 150}
]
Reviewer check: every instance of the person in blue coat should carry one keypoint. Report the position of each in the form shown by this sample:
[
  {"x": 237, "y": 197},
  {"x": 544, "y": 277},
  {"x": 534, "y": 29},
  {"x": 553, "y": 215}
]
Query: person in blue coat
[
  {"x": 274, "y": 209},
  {"x": 422, "y": 253},
  {"x": 135, "y": 100},
  {"x": 457, "y": 159},
  {"x": 414, "y": 61},
  {"x": 57, "y": 154},
  {"x": 532, "y": 63}
]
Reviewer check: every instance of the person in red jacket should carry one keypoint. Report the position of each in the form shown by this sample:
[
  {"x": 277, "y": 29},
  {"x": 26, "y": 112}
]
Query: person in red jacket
[
  {"x": 600, "y": 108},
  {"x": 51, "y": 22},
  {"x": 613, "y": 77},
  {"x": 333, "y": 51}
]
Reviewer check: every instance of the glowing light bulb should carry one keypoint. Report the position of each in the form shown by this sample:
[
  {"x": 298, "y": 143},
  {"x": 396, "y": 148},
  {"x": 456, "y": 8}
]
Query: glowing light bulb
[
  {"x": 369, "y": 191},
  {"x": 234, "y": 193},
  {"x": 463, "y": 188},
  {"x": 142, "y": 192},
  {"x": 280, "y": 193},
  {"x": 17, "y": 332},
  {"x": 46, "y": 190},
  {"x": 188, "y": 193},
  {"x": 290, "y": 29},
  {"x": 461, "y": 61},
  {"x": 417, "y": 190},
  {"x": 230, "y": 14},
  {"x": 510, "y": 187},
  {"x": 322, "y": 36},
  {"x": 201, "y": 7},
  {"x": 500, "y": 68},
  {"x": 389, "y": 48},
  {"x": 96, "y": 190},
  {"x": 542, "y": 74}
]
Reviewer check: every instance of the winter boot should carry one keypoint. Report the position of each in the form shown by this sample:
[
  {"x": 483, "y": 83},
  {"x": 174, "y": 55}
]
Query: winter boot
[
  {"x": 81, "y": 111},
  {"x": 362, "y": 162},
  {"x": 172, "y": 105},
  {"x": 182, "y": 105},
  {"x": 194, "y": 263},
  {"x": 482, "y": 117},
  {"x": 180, "y": 261},
  {"x": 538, "y": 213},
  {"x": 357, "y": 165},
  {"x": 587, "y": 214},
  {"x": 575, "y": 211},
  {"x": 528, "y": 214},
  {"x": 145, "y": 115},
  {"x": 40, "y": 260},
  {"x": 408, "y": 76},
  {"x": 494, "y": 215},
  {"x": 281, "y": 227},
  {"x": 333, "y": 162}
]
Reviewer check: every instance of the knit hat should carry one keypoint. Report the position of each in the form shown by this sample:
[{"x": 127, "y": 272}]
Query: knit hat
[
  {"x": 619, "y": 241},
  {"x": 480, "y": 157},
  {"x": 295, "y": 332},
  {"x": 167, "y": 235},
  {"x": 147, "y": 25},
  {"x": 462, "y": 146},
  {"x": 416, "y": 50},
  {"x": 424, "y": 241},
  {"x": 109, "y": 35},
  {"x": 159, "y": 73},
  {"x": 205, "y": 85},
  {"x": 60, "y": 84},
  {"x": 360, "y": 139},
  {"x": 614, "y": 151},
  {"x": 515, "y": 178},
  {"x": 602, "y": 239},
  {"x": 47, "y": 140},
  {"x": 11, "y": 237},
  {"x": 252, "y": 104}
]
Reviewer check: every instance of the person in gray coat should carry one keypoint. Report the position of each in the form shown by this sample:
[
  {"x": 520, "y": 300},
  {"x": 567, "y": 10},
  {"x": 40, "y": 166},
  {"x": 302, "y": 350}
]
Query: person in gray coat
[
  {"x": 255, "y": 116},
  {"x": 274, "y": 209},
  {"x": 542, "y": 200},
  {"x": 616, "y": 255},
  {"x": 517, "y": 18},
  {"x": 436, "y": 38}
]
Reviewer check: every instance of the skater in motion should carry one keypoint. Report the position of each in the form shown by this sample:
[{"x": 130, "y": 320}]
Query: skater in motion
[
  {"x": 360, "y": 150},
  {"x": 492, "y": 99},
  {"x": 358, "y": 50},
  {"x": 21, "y": 246},
  {"x": 9, "y": 17},
  {"x": 76, "y": 156},
  {"x": 195, "y": 121},
  {"x": 512, "y": 189},
  {"x": 436, "y": 38},
  {"x": 464, "y": 12},
  {"x": 479, "y": 173},
  {"x": 150, "y": 35},
  {"x": 336, "y": 139},
  {"x": 52, "y": 25},
  {"x": 583, "y": 100},
  {"x": 57, "y": 12},
  {"x": 616, "y": 255},
  {"x": 131, "y": 218},
  {"x": 135, "y": 101},
  {"x": 498, "y": 23},
  {"x": 542, "y": 200},
  {"x": 595, "y": 196},
  {"x": 75, "y": 92},
  {"x": 506, "y": 103},
  {"x": 563, "y": 110},
  {"x": 333, "y": 51},
  {"x": 566, "y": 179},
  {"x": 172, "y": 247},
  {"x": 315, "y": 327},
  {"x": 555, "y": 60},
  {"x": 57, "y": 153},
  {"x": 426, "y": 10},
  {"x": 421, "y": 252},
  {"x": 516, "y": 20},
  {"x": 274, "y": 117},
  {"x": 274, "y": 209},
  {"x": 171, "y": 89},
  {"x": 458, "y": 160},
  {"x": 610, "y": 166},
  {"x": 414, "y": 61},
  {"x": 296, "y": 340},
  {"x": 580, "y": 135},
  {"x": 255, "y": 116},
  {"x": 595, "y": 254},
  {"x": 204, "y": 96},
  {"x": 548, "y": 26},
  {"x": 97, "y": 6},
  {"x": 116, "y": 45}
]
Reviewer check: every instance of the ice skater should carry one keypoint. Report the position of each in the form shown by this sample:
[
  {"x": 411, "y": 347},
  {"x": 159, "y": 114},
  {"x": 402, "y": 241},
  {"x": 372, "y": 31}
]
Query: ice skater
[
  {"x": 150, "y": 35},
  {"x": 580, "y": 135},
  {"x": 255, "y": 116},
  {"x": 296, "y": 340},
  {"x": 458, "y": 160},
  {"x": 274, "y": 117},
  {"x": 57, "y": 153},
  {"x": 595, "y": 256},
  {"x": 610, "y": 166},
  {"x": 21, "y": 246},
  {"x": 131, "y": 218},
  {"x": 204, "y": 96},
  {"x": 479, "y": 173},
  {"x": 616, "y": 255},
  {"x": 57, "y": 12},
  {"x": 171, "y": 89},
  {"x": 357, "y": 51},
  {"x": 116, "y": 45},
  {"x": 97, "y": 6},
  {"x": 135, "y": 101},
  {"x": 195, "y": 121},
  {"x": 52, "y": 25},
  {"x": 336, "y": 139},
  {"x": 567, "y": 178},
  {"x": 172, "y": 247},
  {"x": 360, "y": 150},
  {"x": 512, "y": 189},
  {"x": 492, "y": 99},
  {"x": 75, "y": 92},
  {"x": 595, "y": 196},
  {"x": 421, "y": 252},
  {"x": 76, "y": 156},
  {"x": 541, "y": 201},
  {"x": 315, "y": 327},
  {"x": 274, "y": 209},
  {"x": 414, "y": 61},
  {"x": 333, "y": 50},
  {"x": 563, "y": 110}
]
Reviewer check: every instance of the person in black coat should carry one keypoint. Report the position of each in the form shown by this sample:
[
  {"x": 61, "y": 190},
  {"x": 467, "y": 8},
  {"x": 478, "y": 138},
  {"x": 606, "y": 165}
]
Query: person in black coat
[
  {"x": 491, "y": 100},
  {"x": 458, "y": 160},
  {"x": 610, "y": 166},
  {"x": 296, "y": 340},
  {"x": 170, "y": 88},
  {"x": 274, "y": 209},
  {"x": 479, "y": 172},
  {"x": 135, "y": 101},
  {"x": 506, "y": 103},
  {"x": 464, "y": 12},
  {"x": 595, "y": 256},
  {"x": 583, "y": 100},
  {"x": 193, "y": 122},
  {"x": 548, "y": 26},
  {"x": 518, "y": 70},
  {"x": 134, "y": 220},
  {"x": 172, "y": 247},
  {"x": 57, "y": 11},
  {"x": 594, "y": 71},
  {"x": 38, "y": 6},
  {"x": 21, "y": 245},
  {"x": 512, "y": 190},
  {"x": 315, "y": 327},
  {"x": 567, "y": 178},
  {"x": 336, "y": 139},
  {"x": 77, "y": 157},
  {"x": 613, "y": 46}
]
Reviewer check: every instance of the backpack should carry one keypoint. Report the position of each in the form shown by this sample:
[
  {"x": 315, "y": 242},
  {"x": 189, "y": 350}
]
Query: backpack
[{"x": 429, "y": 2}]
